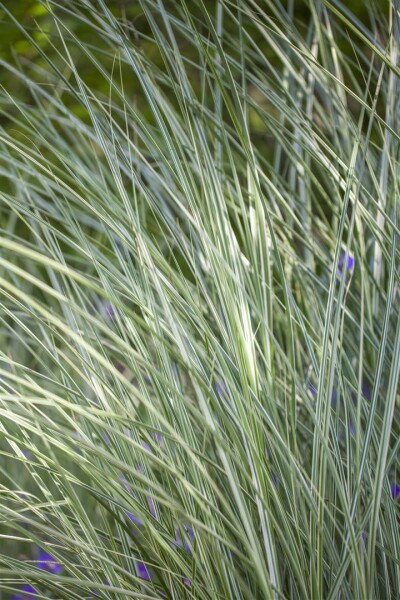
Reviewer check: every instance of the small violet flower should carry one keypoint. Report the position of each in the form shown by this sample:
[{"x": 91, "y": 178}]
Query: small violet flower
[
  {"x": 395, "y": 491},
  {"x": 363, "y": 541},
  {"x": 106, "y": 439},
  {"x": 24, "y": 594},
  {"x": 106, "y": 310},
  {"x": 137, "y": 521},
  {"x": 366, "y": 391},
  {"x": 349, "y": 264},
  {"x": 46, "y": 562},
  {"x": 190, "y": 534},
  {"x": 109, "y": 310},
  {"x": 142, "y": 571},
  {"x": 220, "y": 388},
  {"x": 134, "y": 519},
  {"x": 311, "y": 388}
]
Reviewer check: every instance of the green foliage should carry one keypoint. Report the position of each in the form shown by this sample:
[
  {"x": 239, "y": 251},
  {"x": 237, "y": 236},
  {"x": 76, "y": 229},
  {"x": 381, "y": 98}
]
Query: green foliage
[{"x": 199, "y": 311}]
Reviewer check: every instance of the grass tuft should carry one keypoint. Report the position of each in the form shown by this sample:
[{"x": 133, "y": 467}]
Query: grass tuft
[{"x": 199, "y": 301}]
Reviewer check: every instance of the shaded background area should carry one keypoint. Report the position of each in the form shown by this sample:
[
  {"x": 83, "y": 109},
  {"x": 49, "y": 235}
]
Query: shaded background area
[{"x": 16, "y": 49}]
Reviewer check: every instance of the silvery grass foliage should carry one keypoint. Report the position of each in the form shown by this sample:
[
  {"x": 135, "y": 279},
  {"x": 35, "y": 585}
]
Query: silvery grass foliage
[{"x": 200, "y": 334}]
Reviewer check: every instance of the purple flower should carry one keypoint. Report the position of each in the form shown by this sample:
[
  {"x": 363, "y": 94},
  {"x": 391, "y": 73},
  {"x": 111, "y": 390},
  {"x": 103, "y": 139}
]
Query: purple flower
[
  {"x": 187, "y": 582},
  {"x": 130, "y": 515},
  {"x": 151, "y": 507},
  {"x": 137, "y": 521},
  {"x": 349, "y": 263},
  {"x": 123, "y": 479},
  {"x": 220, "y": 388},
  {"x": 106, "y": 310},
  {"x": 366, "y": 390},
  {"x": 142, "y": 571},
  {"x": 106, "y": 439},
  {"x": 311, "y": 389},
  {"x": 109, "y": 310},
  {"x": 46, "y": 562},
  {"x": 24, "y": 594},
  {"x": 134, "y": 519},
  {"x": 395, "y": 491},
  {"x": 363, "y": 541},
  {"x": 190, "y": 534}
]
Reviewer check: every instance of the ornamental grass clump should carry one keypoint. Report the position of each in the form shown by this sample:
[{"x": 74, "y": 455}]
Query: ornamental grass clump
[{"x": 199, "y": 300}]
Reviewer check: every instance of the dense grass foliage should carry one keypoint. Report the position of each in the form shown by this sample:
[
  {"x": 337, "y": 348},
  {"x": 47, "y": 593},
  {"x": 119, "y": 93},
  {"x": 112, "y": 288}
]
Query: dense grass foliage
[{"x": 199, "y": 303}]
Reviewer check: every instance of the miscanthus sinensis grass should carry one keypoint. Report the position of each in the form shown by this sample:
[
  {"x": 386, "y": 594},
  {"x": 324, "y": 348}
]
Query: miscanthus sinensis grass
[{"x": 199, "y": 302}]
